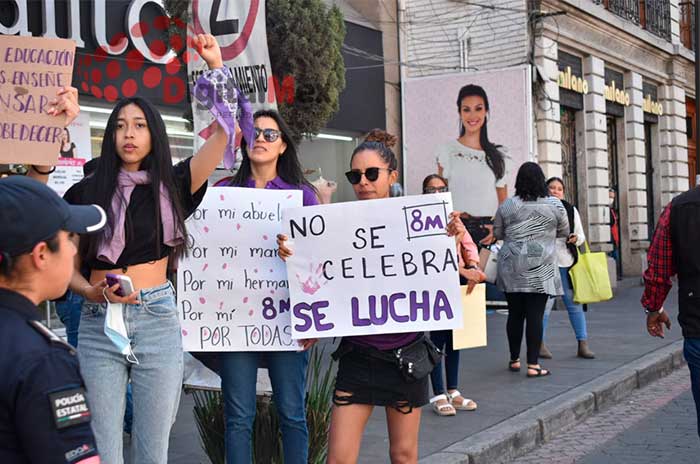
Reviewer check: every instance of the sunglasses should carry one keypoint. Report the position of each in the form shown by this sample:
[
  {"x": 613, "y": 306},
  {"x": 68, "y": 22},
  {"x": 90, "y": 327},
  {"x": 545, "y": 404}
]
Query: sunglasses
[
  {"x": 355, "y": 176},
  {"x": 270, "y": 135},
  {"x": 435, "y": 190}
]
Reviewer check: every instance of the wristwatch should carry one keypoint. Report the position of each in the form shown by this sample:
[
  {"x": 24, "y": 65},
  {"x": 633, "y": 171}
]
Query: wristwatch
[{"x": 647, "y": 311}]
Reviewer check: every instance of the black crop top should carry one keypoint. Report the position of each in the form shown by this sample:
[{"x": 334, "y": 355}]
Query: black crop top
[{"x": 140, "y": 218}]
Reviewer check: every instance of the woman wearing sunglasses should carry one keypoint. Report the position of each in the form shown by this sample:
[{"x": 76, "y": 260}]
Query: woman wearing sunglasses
[
  {"x": 363, "y": 381},
  {"x": 476, "y": 167},
  {"x": 447, "y": 402},
  {"x": 271, "y": 164}
]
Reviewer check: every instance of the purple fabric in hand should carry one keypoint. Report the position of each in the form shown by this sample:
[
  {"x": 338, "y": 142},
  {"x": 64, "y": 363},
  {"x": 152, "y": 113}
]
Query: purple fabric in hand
[{"x": 216, "y": 90}]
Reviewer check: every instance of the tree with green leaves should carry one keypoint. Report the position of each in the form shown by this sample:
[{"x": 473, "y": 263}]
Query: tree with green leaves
[{"x": 304, "y": 38}]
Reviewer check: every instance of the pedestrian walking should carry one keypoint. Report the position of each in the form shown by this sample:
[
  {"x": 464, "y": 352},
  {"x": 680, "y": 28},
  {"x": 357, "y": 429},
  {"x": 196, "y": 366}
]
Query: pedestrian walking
[
  {"x": 567, "y": 256},
  {"x": 367, "y": 371},
  {"x": 134, "y": 336},
  {"x": 529, "y": 224},
  {"x": 271, "y": 164},
  {"x": 44, "y": 415},
  {"x": 675, "y": 250}
]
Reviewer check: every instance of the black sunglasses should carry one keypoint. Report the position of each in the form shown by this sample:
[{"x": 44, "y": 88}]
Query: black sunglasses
[
  {"x": 435, "y": 189},
  {"x": 355, "y": 176},
  {"x": 270, "y": 135}
]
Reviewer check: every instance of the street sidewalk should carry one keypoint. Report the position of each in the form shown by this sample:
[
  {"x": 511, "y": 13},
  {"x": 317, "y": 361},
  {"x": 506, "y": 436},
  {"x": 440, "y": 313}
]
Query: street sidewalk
[{"x": 511, "y": 406}]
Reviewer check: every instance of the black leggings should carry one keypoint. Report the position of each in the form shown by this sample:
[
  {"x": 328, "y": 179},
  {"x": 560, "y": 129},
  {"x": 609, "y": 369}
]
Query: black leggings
[{"x": 525, "y": 307}]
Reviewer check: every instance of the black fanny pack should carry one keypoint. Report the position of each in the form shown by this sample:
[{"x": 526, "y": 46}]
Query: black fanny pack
[{"x": 415, "y": 360}]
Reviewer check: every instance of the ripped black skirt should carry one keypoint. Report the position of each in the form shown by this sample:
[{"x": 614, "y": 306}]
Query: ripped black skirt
[{"x": 366, "y": 379}]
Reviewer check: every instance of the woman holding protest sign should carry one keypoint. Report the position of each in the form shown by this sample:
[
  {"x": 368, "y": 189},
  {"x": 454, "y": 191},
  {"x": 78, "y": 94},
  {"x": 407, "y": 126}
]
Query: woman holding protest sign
[
  {"x": 476, "y": 167},
  {"x": 446, "y": 402},
  {"x": 368, "y": 374},
  {"x": 529, "y": 224},
  {"x": 129, "y": 329},
  {"x": 272, "y": 163}
]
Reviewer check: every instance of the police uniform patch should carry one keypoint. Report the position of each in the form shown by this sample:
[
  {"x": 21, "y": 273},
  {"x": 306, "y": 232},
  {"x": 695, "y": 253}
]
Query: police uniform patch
[{"x": 69, "y": 407}]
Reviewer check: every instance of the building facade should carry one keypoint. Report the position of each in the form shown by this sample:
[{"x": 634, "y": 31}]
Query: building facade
[{"x": 613, "y": 83}]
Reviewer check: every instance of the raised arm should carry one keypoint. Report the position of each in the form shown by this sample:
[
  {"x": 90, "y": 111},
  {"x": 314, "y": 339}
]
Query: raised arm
[
  {"x": 66, "y": 104},
  {"x": 209, "y": 156}
]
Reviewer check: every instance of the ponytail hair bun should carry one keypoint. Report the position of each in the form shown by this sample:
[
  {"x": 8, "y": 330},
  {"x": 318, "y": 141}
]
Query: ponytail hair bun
[{"x": 381, "y": 136}]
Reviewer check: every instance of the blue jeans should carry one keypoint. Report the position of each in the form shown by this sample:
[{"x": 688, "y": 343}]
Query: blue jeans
[
  {"x": 68, "y": 311},
  {"x": 156, "y": 381},
  {"x": 288, "y": 376},
  {"x": 691, "y": 353},
  {"x": 443, "y": 340},
  {"x": 576, "y": 315}
]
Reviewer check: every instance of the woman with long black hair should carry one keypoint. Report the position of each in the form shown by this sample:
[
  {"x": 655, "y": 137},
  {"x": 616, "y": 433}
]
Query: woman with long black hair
[
  {"x": 271, "y": 163},
  {"x": 475, "y": 167},
  {"x": 135, "y": 335}
]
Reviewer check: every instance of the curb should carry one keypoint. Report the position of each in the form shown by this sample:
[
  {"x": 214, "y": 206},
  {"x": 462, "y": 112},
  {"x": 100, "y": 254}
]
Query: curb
[{"x": 523, "y": 432}]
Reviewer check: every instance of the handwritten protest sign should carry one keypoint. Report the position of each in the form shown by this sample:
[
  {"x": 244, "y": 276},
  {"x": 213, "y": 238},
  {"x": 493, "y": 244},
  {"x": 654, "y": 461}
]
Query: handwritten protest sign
[
  {"x": 473, "y": 331},
  {"x": 32, "y": 70},
  {"x": 232, "y": 288},
  {"x": 373, "y": 267}
]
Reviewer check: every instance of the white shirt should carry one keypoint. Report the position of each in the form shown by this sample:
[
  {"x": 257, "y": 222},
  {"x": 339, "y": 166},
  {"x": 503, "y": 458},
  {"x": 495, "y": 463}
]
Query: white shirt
[
  {"x": 564, "y": 258},
  {"x": 472, "y": 182}
]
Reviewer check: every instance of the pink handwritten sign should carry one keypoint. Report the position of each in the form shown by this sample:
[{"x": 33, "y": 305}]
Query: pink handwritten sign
[{"x": 32, "y": 69}]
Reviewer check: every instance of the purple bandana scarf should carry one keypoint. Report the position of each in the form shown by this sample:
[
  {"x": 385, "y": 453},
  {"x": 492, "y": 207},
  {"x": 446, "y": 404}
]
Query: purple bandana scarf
[{"x": 215, "y": 89}]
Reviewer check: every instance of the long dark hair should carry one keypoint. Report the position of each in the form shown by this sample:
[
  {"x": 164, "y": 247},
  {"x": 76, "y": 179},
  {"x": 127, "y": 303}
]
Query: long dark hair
[
  {"x": 530, "y": 184},
  {"x": 494, "y": 157},
  {"x": 288, "y": 165},
  {"x": 158, "y": 163}
]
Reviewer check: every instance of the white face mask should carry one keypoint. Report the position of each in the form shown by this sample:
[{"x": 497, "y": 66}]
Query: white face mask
[{"x": 115, "y": 330}]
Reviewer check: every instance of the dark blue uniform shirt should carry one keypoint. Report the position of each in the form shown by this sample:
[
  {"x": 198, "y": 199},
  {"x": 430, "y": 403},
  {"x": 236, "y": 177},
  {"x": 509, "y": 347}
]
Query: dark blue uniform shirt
[{"x": 44, "y": 415}]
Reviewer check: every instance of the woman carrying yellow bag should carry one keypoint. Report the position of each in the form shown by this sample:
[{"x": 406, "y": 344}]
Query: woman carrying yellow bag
[{"x": 590, "y": 277}]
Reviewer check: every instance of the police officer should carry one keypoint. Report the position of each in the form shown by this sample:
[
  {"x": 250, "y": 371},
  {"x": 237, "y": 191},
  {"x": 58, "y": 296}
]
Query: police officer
[{"x": 44, "y": 415}]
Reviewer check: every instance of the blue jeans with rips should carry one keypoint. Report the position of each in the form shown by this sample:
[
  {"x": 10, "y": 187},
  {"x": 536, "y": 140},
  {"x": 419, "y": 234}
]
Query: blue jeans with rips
[
  {"x": 156, "y": 382},
  {"x": 288, "y": 376}
]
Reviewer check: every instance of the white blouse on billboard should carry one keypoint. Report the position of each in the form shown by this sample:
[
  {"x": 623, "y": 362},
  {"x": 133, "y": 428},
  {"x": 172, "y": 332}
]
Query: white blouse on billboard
[{"x": 472, "y": 182}]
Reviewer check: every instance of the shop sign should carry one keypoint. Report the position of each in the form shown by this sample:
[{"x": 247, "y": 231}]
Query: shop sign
[
  {"x": 569, "y": 81},
  {"x": 616, "y": 95}
]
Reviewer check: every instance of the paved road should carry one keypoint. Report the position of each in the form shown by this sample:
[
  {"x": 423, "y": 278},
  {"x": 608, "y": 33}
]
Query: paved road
[
  {"x": 655, "y": 425},
  {"x": 616, "y": 330}
]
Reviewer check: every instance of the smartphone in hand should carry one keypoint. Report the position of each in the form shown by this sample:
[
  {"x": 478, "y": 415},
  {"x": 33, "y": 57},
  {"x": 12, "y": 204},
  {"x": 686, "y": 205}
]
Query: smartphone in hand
[{"x": 126, "y": 286}]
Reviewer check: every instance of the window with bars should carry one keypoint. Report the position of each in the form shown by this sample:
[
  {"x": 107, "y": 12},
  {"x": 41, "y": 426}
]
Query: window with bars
[{"x": 652, "y": 15}]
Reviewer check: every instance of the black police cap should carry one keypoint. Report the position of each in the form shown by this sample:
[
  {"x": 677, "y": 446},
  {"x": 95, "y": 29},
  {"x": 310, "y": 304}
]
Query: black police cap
[{"x": 31, "y": 212}]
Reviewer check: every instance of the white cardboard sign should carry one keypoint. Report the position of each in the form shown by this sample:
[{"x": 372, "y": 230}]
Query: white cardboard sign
[
  {"x": 232, "y": 288},
  {"x": 373, "y": 267}
]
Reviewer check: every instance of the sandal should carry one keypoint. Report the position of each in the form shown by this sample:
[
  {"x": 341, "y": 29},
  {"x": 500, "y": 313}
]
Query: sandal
[
  {"x": 445, "y": 409},
  {"x": 512, "y": 363},
  {"x": 540, "y": 372},
  {"x": 465, "y": 405}
]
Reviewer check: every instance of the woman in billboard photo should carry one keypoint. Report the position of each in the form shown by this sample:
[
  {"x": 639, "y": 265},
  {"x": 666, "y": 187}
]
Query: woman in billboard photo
[
  {"x": 368, "y": 374},
  {"x": 129, "y": 329},
  {"x": 67, "y": 147},
  {"x": 475, "y": 167}
]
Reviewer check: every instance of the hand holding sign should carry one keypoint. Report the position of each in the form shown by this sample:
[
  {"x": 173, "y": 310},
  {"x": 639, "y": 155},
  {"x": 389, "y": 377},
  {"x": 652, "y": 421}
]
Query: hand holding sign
[{"x": 66, "y": 102}]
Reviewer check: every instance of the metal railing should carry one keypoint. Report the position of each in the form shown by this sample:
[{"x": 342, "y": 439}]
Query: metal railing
[
  {"x": 687, "y": 23},
  {"x": 652, "y": 15}
]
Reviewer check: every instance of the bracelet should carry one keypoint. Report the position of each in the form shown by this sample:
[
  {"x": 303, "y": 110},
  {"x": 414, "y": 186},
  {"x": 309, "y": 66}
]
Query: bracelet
[
  {"x": 661, "y": 310},
  {"x": 43, "y": 173}
]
